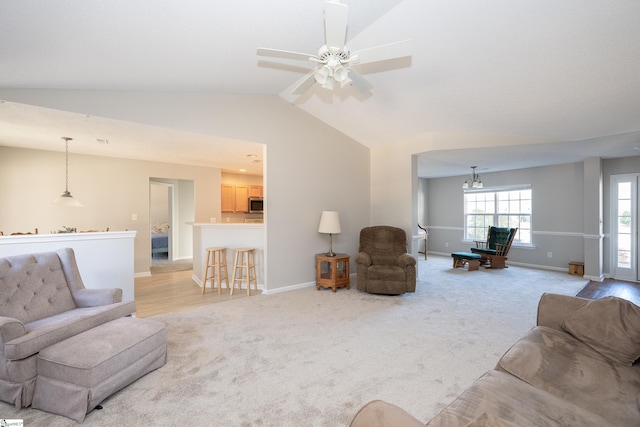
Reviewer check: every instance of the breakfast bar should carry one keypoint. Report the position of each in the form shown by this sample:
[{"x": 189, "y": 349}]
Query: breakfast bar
[{"x": 231, "y": 236}]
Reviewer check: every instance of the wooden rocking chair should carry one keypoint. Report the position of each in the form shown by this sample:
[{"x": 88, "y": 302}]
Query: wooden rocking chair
[{"x": 494, "y": 251}]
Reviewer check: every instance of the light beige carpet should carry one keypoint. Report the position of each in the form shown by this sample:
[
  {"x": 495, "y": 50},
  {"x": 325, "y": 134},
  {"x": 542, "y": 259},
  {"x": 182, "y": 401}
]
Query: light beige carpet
[{"x": 313, "y": 358}]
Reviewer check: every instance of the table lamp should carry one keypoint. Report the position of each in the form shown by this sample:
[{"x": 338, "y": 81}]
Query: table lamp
[{"x": 329, "y": 224}]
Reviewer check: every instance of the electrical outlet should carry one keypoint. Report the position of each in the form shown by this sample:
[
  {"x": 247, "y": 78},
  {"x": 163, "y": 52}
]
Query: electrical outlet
[
  {"x": 446, "y": 244},
  {"x": 134, "y": 217},
  {"x": 549, "y": 254}
]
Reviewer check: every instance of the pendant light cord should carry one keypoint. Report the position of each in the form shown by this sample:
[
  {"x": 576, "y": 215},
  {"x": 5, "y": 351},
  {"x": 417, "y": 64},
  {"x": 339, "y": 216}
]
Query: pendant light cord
[{"x": 66, "y": 169}]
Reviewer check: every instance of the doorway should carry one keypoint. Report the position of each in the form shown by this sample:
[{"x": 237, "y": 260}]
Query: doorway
[
  {"x": 171, "y": 213},
  {"x": 624, "y": 226},
  {"x": 160, "y": 219}
]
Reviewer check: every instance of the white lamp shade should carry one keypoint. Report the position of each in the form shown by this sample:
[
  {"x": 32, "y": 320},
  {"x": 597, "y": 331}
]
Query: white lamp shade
[
  {"x": 329, "y": 223},
  {"x": 67, "y": 200}
]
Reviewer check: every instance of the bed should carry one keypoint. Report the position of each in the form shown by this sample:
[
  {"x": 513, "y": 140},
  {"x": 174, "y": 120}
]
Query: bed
[{"x": 160, "y": 239}]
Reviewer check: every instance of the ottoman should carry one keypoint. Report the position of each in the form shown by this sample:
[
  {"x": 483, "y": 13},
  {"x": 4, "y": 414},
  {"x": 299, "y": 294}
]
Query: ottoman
[
  {"x": 461, "y": 258},
  {"x": 76, "y": 374}
]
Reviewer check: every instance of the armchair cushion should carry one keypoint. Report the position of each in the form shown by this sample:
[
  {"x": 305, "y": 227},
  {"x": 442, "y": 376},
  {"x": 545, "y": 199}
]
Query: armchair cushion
[
  {"x": 499, "y": 235},
  {"x": 33, "y": 287},
  {"x": 45, "y": 332}
]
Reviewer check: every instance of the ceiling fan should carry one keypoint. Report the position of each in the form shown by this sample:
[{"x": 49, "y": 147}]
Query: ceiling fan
[{"x": 334, "y": 59}]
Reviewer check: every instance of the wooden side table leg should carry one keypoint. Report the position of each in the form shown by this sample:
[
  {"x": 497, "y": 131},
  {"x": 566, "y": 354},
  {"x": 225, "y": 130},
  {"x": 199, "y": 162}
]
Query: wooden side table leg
[{"x": 318, "y": 273}]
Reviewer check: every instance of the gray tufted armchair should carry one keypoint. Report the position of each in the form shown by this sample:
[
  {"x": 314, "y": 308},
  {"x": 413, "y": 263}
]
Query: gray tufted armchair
[{"x": 384, "y": 266}]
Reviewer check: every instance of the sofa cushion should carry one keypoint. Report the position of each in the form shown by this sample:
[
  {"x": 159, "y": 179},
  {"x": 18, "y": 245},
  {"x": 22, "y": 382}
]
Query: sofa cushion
[
  {"x": 610, "y": 325},
  {"x": 498, "y": 399},
  {"x": 45, "y": 332},
  {"x": 558, "y": 363}
]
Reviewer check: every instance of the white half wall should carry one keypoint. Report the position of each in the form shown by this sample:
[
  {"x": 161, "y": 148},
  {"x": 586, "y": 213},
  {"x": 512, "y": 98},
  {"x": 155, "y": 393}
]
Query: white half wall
[{"x": 105, "y": 260}]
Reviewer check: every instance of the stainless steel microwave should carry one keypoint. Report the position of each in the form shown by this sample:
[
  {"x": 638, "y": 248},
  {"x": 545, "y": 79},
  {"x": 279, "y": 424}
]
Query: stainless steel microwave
[{"x": 256, "y": 204}]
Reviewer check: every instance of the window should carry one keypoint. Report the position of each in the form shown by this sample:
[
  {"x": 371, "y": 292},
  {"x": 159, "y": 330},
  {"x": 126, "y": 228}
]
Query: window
[{"x": 502, "y": 208}]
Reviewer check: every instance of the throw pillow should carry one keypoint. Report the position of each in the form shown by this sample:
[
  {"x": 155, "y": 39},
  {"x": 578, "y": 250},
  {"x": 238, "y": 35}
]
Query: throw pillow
[{"x": 610, "y": 325}]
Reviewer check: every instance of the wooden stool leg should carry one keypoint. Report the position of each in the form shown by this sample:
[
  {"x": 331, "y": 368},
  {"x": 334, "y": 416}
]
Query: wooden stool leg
[
  {"x": 206, "y": 269},
  {"x": 223, "y": 266},
  {"x": 253, "y": 270},
  {"x": 216, "y": 260},
  {"x": 235, "y": 269},
  {"x": 248, "y": 275}
]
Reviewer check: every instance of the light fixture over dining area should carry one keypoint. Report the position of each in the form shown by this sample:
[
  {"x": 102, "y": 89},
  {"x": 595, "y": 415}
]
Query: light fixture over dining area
[
  {"x": 66, "y": 199},
  {"x": 473, "y": 181}
]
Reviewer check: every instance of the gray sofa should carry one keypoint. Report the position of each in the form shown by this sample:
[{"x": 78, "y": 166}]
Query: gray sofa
[
  {"x": 578, "y": 367},
  {"x": 43, "y": 301}
]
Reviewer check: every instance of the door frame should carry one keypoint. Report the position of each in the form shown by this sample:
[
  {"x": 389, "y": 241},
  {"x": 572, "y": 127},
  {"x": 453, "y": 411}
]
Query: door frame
[{"x": 618, "y": 272}]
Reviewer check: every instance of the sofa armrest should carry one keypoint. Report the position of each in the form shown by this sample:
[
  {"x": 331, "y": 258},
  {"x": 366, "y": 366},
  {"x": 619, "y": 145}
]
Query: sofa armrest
[
  {"x": 97, "y": 297},
  {"x": 10, "y": 329},
  {"x": 554, "y": 308},
  {"x": 382, "y": 414},
  {"x": 406, "y": 260},
  {"x": 363, "y": 258}
]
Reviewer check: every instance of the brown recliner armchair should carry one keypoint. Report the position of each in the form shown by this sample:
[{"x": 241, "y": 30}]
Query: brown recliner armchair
[{"x": 384, "y": 266}]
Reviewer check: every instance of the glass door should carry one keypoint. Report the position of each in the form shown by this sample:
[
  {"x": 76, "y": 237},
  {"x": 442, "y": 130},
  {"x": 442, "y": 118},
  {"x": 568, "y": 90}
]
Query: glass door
[{"x": 624, "y": 227}]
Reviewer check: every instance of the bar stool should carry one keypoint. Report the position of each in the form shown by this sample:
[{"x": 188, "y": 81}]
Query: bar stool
[
  {"x": 216, "y": 260},
  {"x": 244, "y": 260}
]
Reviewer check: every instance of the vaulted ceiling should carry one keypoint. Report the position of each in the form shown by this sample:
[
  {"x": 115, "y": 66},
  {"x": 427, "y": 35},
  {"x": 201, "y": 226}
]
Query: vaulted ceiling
[{"x": 564, "y": 75}]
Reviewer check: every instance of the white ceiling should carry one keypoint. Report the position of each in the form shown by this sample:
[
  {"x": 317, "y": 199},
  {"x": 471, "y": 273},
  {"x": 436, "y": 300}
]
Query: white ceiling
[{"x": 564, "y": 75}]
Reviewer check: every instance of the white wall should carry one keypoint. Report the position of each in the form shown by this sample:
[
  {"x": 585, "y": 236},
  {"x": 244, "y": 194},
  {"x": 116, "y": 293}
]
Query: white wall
[
  {"x": 111, "y": 190},
  {"x": 310, "y": 167}
]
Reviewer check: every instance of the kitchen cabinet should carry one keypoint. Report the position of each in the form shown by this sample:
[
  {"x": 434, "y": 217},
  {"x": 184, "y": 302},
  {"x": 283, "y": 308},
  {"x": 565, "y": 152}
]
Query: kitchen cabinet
[
  {"x": 242, "y": 198},
  {"x": 255, "y": 191},
  {"x": 235, "y": 198},
  {"x": 228, "y": 198}
]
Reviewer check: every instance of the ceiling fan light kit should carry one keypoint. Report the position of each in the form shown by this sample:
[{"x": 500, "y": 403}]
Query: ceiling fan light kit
[{"x": 334, "y": 59}]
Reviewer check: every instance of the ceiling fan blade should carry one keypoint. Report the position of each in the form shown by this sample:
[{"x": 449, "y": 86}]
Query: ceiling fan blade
[
  {"x": 335, "y": 24},
  {"x": 360, "y": 83},
  {"x": 384, "y": 52},
  {"x": 277, "y": 53},
  {"x": 304, "y": 84}
]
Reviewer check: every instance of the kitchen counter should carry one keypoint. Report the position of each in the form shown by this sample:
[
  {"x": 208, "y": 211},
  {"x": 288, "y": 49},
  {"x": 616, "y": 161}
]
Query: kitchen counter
[{"x": 231, "y": 236}]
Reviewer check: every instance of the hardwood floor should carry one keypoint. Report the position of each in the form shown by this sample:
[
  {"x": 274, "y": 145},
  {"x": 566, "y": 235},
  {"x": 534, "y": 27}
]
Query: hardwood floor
[
  {"x": 167, "y": 292},
  {"x": 174, "y": 291},
  {"x": 611, "y": 287}
]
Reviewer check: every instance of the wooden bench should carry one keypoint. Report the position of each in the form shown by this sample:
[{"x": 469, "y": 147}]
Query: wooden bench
[{"x": 471, "y": 260}]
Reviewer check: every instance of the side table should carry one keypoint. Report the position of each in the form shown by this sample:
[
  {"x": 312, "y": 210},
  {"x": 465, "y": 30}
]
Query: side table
[{"x": 332, "y": 271}]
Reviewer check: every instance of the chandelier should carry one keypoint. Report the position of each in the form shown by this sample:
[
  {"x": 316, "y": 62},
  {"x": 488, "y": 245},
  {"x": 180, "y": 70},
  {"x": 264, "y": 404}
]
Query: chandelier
[{"x": 474, "y": 181}]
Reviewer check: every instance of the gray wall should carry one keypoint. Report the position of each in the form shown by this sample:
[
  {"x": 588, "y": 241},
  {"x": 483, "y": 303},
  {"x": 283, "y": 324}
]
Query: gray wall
[{"x": 558, "y": 214}]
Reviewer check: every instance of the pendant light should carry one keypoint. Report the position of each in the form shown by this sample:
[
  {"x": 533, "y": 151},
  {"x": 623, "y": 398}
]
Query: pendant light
[{"x": 66, "y": 199}]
